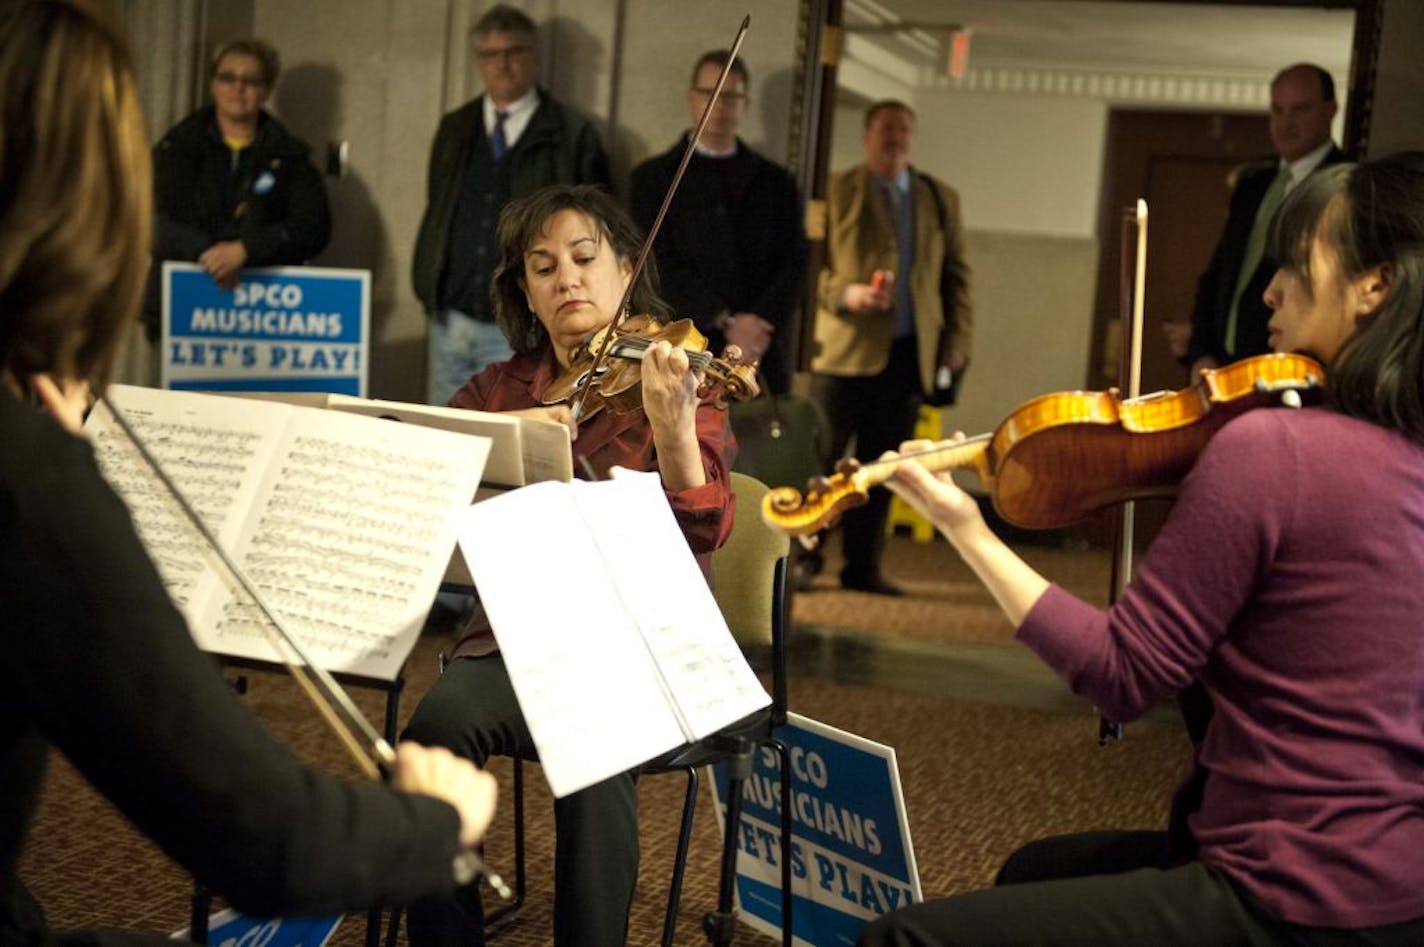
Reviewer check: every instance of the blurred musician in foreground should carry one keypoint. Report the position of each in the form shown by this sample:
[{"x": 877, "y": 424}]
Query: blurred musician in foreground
[
  {"x": 97, "y": 661},
  {"x": 565, "y": 256},
  {"x": 1290, "y": 594}
]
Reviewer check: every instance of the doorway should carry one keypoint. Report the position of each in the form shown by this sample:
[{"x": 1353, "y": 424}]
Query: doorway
[{"x": 1182, "y": 164}]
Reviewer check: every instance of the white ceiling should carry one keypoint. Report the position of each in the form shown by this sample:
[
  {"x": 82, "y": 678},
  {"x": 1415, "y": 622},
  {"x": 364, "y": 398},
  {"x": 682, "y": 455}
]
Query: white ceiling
[{"x": 1226, "y": 38}]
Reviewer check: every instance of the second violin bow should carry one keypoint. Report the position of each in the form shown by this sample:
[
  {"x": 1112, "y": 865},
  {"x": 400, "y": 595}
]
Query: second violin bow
[{"x": 576, "y": 405}]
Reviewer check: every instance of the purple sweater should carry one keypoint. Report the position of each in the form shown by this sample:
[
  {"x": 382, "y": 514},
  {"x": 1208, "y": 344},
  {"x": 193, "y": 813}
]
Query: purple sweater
[{"x": 1289, "y": 578}]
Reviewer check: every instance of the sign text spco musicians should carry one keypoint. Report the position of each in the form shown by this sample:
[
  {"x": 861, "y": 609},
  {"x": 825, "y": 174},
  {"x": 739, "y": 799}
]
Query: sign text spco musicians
[{"x": 281, "y": 329}]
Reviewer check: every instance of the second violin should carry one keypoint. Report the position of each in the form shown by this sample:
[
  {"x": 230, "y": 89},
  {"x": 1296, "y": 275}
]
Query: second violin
[{"x": 1061, "y": 457}]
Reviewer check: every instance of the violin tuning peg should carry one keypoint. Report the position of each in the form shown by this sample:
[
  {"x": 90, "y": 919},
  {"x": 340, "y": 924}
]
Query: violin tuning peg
[
  {"x": 847, "y": 466},
  {"x": 817, "y": 485},
  {"x": 732, "y": 353}
]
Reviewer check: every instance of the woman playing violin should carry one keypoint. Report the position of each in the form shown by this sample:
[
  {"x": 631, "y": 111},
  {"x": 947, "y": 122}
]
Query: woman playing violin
[
  {"x": 565, "y": 257},
  {"x": 1287, "y": 590}
]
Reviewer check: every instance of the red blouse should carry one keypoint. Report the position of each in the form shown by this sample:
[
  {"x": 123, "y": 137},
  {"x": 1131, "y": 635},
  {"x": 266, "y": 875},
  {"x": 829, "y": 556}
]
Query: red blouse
[{"x": 607, "y": 440}]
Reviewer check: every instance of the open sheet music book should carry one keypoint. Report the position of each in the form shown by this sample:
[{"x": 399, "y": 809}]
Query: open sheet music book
[
  {"x": 614, "y": 644},
  {"x": 344, "y": 523},
  {"x": 524, "y": 450}
]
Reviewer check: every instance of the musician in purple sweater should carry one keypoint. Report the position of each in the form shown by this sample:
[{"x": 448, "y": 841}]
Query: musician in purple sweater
[{"x": 1287, "y": 588}]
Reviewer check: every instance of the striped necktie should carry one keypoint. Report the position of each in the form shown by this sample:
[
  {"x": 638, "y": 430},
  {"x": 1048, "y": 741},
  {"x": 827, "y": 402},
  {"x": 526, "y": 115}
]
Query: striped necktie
[
  {"x": 498, "y": 144},
  {"x": 1255, "y": 247}
]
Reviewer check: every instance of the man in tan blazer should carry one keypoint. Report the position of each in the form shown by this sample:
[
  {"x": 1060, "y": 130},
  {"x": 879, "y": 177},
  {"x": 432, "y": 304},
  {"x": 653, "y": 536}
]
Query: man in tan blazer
[{"x": 893, "y": 320}]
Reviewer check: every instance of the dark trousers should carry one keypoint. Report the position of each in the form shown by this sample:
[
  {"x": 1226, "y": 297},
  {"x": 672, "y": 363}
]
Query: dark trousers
[
  {"x": 879, "y": 412},
  {"x": 472, "y": 711},
  {"x": 1101, "y": 889}
]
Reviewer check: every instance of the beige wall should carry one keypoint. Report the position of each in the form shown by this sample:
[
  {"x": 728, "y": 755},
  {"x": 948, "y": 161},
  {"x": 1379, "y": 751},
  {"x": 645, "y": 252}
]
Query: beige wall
[{"x": 380, "y": 73}]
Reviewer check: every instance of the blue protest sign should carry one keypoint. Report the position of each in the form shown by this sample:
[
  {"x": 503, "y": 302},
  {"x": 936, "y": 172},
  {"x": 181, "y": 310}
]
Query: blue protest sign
[
  {"x": 227, "y": 928},
  {"x": 851, "y": 855},
  {"x": 289, "y": 328}
]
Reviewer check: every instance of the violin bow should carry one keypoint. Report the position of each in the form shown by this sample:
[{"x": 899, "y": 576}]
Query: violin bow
[
  {"x": 576, "y": 406},
  {"x": 1130, "y": 373},
  {"x": 372, "y": 752}
]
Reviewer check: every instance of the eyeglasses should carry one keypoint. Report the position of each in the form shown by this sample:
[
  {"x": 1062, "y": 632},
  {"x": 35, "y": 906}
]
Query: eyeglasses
[
  {"x": 507, "y": 53},
  {"x": 726, "y": 98},
  {"x": 247, "y": 82}
]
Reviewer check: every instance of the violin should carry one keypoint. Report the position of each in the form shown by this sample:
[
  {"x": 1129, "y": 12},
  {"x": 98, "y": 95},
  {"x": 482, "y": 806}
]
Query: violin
[
  {"x": 617, "y": 379},
  {"x": 1059, "y": 458}
]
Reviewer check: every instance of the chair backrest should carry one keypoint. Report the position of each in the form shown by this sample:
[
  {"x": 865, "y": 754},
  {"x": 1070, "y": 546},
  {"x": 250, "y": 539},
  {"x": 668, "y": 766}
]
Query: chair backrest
[{"x": 748, "y": 570}]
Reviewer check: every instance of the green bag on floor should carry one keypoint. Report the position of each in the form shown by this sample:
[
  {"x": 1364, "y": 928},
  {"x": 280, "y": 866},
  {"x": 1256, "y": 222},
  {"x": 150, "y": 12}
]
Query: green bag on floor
[{"x": 781, "y": 439}]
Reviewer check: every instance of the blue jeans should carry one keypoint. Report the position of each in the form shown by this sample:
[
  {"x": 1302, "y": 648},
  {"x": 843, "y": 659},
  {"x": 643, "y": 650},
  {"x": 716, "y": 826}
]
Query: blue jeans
[{"x": 460, "y": 346}]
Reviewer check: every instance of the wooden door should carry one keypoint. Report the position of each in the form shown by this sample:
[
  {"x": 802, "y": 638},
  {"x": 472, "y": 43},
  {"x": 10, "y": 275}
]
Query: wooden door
[{"x": 1180, "y": 162}]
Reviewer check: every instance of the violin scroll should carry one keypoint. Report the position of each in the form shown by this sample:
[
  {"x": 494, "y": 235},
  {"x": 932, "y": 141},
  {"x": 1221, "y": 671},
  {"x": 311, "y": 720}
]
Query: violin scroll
[{"x": 826, "y": 499}]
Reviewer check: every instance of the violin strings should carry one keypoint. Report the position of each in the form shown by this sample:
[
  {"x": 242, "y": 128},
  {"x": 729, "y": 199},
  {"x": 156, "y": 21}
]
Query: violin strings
[
  {"x": 636, "y": 347},
  {"x": 936, "y": 449}
]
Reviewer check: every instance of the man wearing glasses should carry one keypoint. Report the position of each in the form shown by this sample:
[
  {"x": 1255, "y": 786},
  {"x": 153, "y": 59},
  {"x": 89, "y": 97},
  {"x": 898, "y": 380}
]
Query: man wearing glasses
[
  {"x": 233, "y": 187},
  {"x": 504, "y": 144},
  {"x": 731, "y": 252}
]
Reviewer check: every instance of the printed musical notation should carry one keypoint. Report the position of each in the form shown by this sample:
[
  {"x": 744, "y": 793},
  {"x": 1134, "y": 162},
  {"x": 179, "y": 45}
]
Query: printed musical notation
[
  {"x": 341, "y": 522},
  {"x": 614, "y": 669}
]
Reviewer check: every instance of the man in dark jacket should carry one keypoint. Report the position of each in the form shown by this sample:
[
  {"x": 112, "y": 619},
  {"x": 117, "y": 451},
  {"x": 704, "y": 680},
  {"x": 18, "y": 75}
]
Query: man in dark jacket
[
  {"x": 1229, "y": 317},
  {"x": 731, "y": 252},
  {"x": 232, "y": 187},
  {"x": 507, "y": 143}
]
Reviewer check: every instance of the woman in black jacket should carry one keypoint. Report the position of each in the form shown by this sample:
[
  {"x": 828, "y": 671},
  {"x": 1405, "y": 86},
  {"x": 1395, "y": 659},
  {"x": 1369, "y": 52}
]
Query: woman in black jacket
[
  {"x": 232, "y": 186},
  {"x": 97, "y": 661}
]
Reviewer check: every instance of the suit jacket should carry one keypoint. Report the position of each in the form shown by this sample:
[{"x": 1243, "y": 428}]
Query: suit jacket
[
  {"x": 559, "y": 146},
  {"x": 860, "y": 238},
  {"x": 1218, "y": 283}
]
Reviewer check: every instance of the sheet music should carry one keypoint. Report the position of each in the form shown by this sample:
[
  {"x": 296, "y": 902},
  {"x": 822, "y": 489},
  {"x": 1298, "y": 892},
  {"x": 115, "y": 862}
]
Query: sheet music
[
  {"x": 214, "y": 452},
  {"x": 343, "y": 523},
  {"x": 525, "y": 450},
  {"x": 679, "y": 619},
  {"x": 613, "y": 642}
]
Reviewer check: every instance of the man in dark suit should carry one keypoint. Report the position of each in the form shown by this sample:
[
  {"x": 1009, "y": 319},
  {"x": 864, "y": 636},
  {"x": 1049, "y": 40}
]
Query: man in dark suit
[
  {"x": 1229, "y": 317},
  {"x": 509, "y": 142}
]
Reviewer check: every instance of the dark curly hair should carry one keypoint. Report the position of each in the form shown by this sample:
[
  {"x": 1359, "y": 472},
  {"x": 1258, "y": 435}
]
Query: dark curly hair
[{"x": 524, "y": 220}]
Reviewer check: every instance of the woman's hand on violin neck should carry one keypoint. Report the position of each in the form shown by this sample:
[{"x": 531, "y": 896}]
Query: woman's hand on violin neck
[
  {"x": 558, "y": 413},
  {"x": 670, "y": 402},
  {"x": 670, "y": 389},
  {"x": 936, "y": 496}
]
